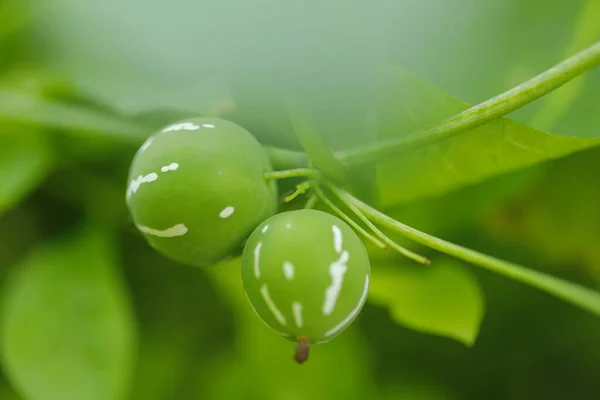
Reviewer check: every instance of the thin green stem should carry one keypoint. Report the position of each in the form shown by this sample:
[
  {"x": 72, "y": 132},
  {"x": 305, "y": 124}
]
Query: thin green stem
[
  {"x": 312, "y": 201},
  {"x": 286, "y": 159},
  {"x": 570, "y": 292},
  {"x": 346, "y": 218},
  {"x": 300, "y": 189},
  {"x": 293, "y": 173},
  {"x": 482, "y": 113},
  {"x": 404, "y": 251},
  {"x": 292, "y": 196}
]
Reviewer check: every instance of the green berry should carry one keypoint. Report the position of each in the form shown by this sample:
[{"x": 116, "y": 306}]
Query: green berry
[
  {"x": 197, "y": 190},
  {"x": 306, "y": 274}
]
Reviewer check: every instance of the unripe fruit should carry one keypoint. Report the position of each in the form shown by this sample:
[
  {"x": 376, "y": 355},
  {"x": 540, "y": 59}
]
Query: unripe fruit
[
  {"x": 197, "y": 190},
  {"x": 306, "y": 274}
]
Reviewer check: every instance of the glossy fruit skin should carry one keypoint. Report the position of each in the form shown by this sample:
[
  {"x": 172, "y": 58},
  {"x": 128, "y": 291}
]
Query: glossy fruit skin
[
  {"x": 196, "y": 190},
  {"x": 306, "y": 274}
]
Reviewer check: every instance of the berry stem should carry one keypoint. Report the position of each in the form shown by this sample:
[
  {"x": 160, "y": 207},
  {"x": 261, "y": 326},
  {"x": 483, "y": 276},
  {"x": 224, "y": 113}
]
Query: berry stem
[
  {"x": 300, "y": 189},
  {"x": 312, "y": 201},
  {"x": 302, "y": 351},
  {"x": 413, "y": 256},
  {"x": 575, "y": 294},
  {"x": 293, "y": 173},
  {"x": 482, "y": 113},
  {"x": 282, "y": 159},
  {"x": 346, "y": 218}
]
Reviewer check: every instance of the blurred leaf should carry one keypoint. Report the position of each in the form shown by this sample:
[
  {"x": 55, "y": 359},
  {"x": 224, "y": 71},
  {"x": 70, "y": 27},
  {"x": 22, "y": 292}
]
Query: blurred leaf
[
  {"x": 25, "y": 108},
  {"x": 12, "y": 18},
  {"x": 313, "y": 143},
  {"x": 263, "y": 113},
  {"x": 489, "y": 47},
  {"x": 558, "y": 218},
  {"x": 408, "y": 104},
  {"x": 261, "y": 364},
  {"x": 442, "y": 299},
  {"x": 20, "y": 229},
  {"x": 25, "y": 160},
  {"x": 183, "y": 323},
  {"x": 411, "y": 387},
  {"x": 6, "y": 392},
  {"x": 67, "y": 328},
  {"x": 557, "y": 103},
  {"x": 452, "y": 214},
  {"x": 171, "y": 61},
  {"x": 158, "y": 69}
]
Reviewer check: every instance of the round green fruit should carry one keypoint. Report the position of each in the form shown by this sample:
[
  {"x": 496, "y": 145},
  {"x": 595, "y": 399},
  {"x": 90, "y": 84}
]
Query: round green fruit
[
  {"x": 306, "y": 274},
  {"x": 197, "y": 190}
]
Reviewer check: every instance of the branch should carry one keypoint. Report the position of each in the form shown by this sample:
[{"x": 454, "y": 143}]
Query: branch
[
  {"x": 575, "y": 294},
  {"x": 482, "y": 113}
]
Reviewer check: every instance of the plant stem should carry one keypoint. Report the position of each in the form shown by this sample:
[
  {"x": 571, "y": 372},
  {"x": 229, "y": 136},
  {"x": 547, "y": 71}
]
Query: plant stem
[
  {"x": 293, "y": 173},
  {"x": 311, "y": 202},
  {"x": 286, "y": 159},
  {"x": 570, "y": 292},
  {"x": 346, "y": 218},
  {"x": 575, "y": 294},
  {"x": 405, "y": 252},
  {"x": 482, "y": 113}
]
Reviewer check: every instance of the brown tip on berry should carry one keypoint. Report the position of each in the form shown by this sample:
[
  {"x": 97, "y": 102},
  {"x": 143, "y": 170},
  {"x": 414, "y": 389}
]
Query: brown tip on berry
[{"x": 302, "y": 350}]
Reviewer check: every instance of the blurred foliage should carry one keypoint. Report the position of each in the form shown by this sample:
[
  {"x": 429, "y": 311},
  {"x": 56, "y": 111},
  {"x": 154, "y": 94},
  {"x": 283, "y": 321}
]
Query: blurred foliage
[
  {"x": 408, "y": 104},
  {"x": 444, "y": 300},
  {"x": 67, "y": 328},
  {"x": 26, "y": 160},
  {"x": 557, "y": 218},
  {"x": 91, "y": 311}
]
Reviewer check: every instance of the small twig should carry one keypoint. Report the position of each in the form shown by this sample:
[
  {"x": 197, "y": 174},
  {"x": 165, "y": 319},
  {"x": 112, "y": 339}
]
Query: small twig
[
  {"x": 348, "y": 202},
  {"x": 286, "y": 159},
  {"x": 573, "y": 293},
  {"x": 300, "y": 189},
  {"x": 312, "y": 201},
  {"x": 482, "y": 113},
  {"x": 346, "y": 218},
  {"x": 293, "y": 173}
]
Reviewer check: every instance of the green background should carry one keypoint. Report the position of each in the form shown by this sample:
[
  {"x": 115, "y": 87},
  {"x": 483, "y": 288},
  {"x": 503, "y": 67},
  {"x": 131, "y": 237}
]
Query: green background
[{"x": 90, "y": 311}]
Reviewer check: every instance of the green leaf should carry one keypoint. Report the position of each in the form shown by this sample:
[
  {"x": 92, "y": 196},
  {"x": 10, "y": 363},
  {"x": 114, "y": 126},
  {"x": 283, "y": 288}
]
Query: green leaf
[
  {"x": 313, "y": 143},
  {"x": 25, "y": 160},
  {"x": 470, "y": 206},
  {"x": 557, "y": 218},
  {"x": 7, "y": 393},
  {"x": 183, "y": 324},
  {"x": 573, "y": 293},
  {"x": 482, "y": 58},
  {"x": 12, "y": 18},
  {"x": 408, "y": 104},
  {"x": 411, "y": 386},
  {"x": 67, "y": 327},
  {"x": 156, "y": 69},
  {"x": 557, "y": 104},
  {"x": 442, "y": 299},
  {"x": 25, "y": 108}
]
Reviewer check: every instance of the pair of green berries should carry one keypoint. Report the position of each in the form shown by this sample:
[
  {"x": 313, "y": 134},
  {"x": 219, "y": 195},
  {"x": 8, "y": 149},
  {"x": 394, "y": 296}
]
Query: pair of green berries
[{"x": 198, "y": 193}]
